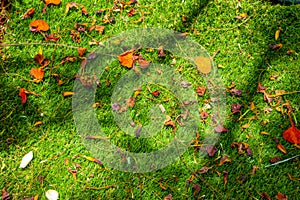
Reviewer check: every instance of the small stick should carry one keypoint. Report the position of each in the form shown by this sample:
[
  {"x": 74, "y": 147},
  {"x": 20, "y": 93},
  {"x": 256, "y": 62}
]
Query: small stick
[{"x": 283, "y": 161}]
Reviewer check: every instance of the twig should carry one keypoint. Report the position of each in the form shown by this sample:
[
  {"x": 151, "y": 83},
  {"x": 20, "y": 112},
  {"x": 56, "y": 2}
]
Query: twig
[{"x": 283, "y": 161}]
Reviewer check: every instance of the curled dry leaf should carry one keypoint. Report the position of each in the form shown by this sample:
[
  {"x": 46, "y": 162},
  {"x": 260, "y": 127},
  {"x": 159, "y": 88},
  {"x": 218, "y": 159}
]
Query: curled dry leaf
[
  {"x": 41, "y": 60},
  {"x": 281, "y": 196},
  {"x": 292, "y": 134},
  {"x": 203, "y": 64},
  {"x": 130, "y": 102},
  {"x": 196, "y": 189},
  {"x": 281, "y": 148},
  {"x": 224, "y": 159},
  {"x": 201, "y": 90},
  {"x": 275, "y": 159},
  {"x": 81, "y": 51},
  {"x": 38, "y": 123},
  {"x": 28, "y": 13},
  {"x": 156, "y": 93},
  {"x": 275, "y": 46},
  {"x": 51, "y": 195},
  {"x": 51, "y": 37},
  {"x": 266, "y": 196},
  {"x": 221, "y": 129},
  {"x": 37, "y": 73},
  {"x": 26, "y": 160},
  {"x": 225, "y": 173},
  {"x": 23, "y": 95},
  {"x": 67, "y": 94},
  {"x": 126, "y": 59},
  {"x": 5, "y": 195},
  {"x": 168, "y": 197},
  {"x": 38, "y": 25},
  {"x": 54, "y": 2}
]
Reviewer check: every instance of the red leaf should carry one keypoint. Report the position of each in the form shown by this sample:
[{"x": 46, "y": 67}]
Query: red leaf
[
  {"x": 281, "y": 196},
  {"x": 292, "y": 135},
  {"x": 23, "y": 95},
  {"x": 5, "y": 195},
  {"x": 156, "y": 93}
]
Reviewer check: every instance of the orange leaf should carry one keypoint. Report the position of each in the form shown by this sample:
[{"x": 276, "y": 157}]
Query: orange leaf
[
  {"x": 38, "y": 123},
  {"x": 37, "y": 73},
  {"x": 125, "y": 59},
  {"x": 277, "y": 33},
  {"x": 39, "y": 25},
  {"x": 81, "y": 51},
  {"x": 281, "y": 148},
  {"x": 203, "y": 64},
  {"x": 28, "y": 13},
  {"x": 292, "y": 135},
  {"x": 22, "y": 94},
  {"x": 54, "y": 2},
  {"x": 66, "y": 94}
]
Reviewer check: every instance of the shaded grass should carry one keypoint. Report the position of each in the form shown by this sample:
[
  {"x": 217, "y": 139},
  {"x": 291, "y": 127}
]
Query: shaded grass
[{"x": 213, "y": 25}]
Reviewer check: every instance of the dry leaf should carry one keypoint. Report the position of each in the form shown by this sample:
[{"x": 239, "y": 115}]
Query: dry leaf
[
  {"x": 5, "y": 195},
  {"x": 26, "y": 160},
  {"x": 81, "y": 51},
  {"x": 51, "y": 37},
  {"x": 38, "y": 123},
  {"x": 28, "y": 13},
  {"x": 277, "y": 33},
  {"x": 39, "y": 25},
  {"x": 23, "y": 95},
  {"x": 281, "y": 148},
  {"x": 292, "y": 134},
  {"x": 225, "y": 177},
  {"x": 125, "y": 59},
  {"x": 266, "y": 196},
  {"x": 93, "y": 159},
  {"x": 54, "y": 2},
  {"x": 281, "y": 196},
  {"x": 203, "y": 64},
  {"x": 37, "y": 73},
  {"x": 52, "y": 195},
  {"x": 201, "y": 90},
  {"x": 168, "y": 197},
  {"x": 224, "y": 159},
  {"x": 67, "y": 94}
]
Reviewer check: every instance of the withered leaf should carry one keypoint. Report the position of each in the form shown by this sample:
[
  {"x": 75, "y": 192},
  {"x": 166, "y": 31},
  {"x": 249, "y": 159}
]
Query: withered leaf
[
  {"x": 73, "y": 172},
  {"x": 38, "y": 123},
  {"x": 235, "y": 108},
  {"x": 277, "y": 33},
  {"x": 144, "y": 64},
  {"x": 51, "y": 37},
  {"x": 161, "y": 52},
  {"x": 292, "y": 135},
  {"x": 28, "y": 13},
  {"x": 84, "y": 10},
  {"x": 54, "y": 2},
  {"x": 275, "y": 46},
  {"x": 156, "y": 93},
  {"x": 204, "y": 170},
  {"x": 67, "y": 94},
  {"x": 201, "y": 90},
  {"x": 131, "y": 12},
  {"x": 225, "y": 174},
  {"x": 5, "y": 195},
  {"x": 203, "y": 115},
  {"x": 281, "y": 196},
  {"x": 81, "y": 51},
  {"x": 168, "y": 197},
  {"x": 98, "y": 28},
  {"x": 203, "y": 64},
  {"x": 281, "y": 148},
  {"x": 224, "y": 159},
  {"x": 275, "y": 159},
  {"x": 266, "y": 196},
  {"x": 221, "y": 129},
  {"x": 37, "y": 73},
  {"x": 130, "y": 102},
  {"x": 38, "y": 25},
  {"x": 126, "y": 59},
  {"x": 23, "y": 95},
  {"x": 196, "y": 188}
]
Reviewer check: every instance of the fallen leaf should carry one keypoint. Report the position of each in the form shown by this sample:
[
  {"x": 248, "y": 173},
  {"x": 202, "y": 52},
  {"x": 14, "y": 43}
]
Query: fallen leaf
[
  {"x": 37, "y": 73},
  {"x": 235, "y": 91},
  {"x": 28, "y": 13},
  {"x": 203, "y": 115},
  {"x": 38, "y": 25},
  {"x": 266, "y": 196},
  {"x": 5, "y": 195},
  {"x": 292, "y": 135},
  {"x": 201, "y": 90},
  {"x": 130, "y": 102},
  {"x": 131, "y": 12},
  {"x": 98, "y": 28},
  {"x": 204, "y": 170},
  {"x": 224, "y": 159},
  {"x": 221, "y": 129},
  {"x": 84, "y": 10},
  {"x": 81, "y": 51},
  {"x": 57, "y": 78},
  {"x": 156, "y": 93},
  {"x": 203, "y": 64},
  {"x": 275, "y": 46},
  {"x": 235, "y": 108},
  {"x": 26, "y": 160},
  {"x": 241, "y": 16},
  {"x": 161, "y": 52},
  {"x": 51, "y": 37},
  {"x": 38, "y": 123},
  {"x": 277, "y": 33},
  {"x": 210, "y": 150},
  {"x": 168, "y": 197},
  {"x": 41, "y": 60},
  {"x": 54, "y": 2},
  {"x": 281, "y": 148},
  {"x": 23, "y": 95},
  {"x": 289, "y": 52},
  {"x": 125, "y": 59},
  {"x": 225, "y": 177},
  {"x": 144, "y": 64},
  {"x": 185, "y": 84},
  {"x": 93, "y": 159},
  {"x": 69, "y": 59},
  {"x": 196, "y": 188},
  {"x": 67, "y": 94},
  {"x": 275, "y": 159},
  {"x": 51, "y": 195},
  {"x": 281, "y": 196},
  {"x": 73, "y": 172},
  {"x": 254, "y": 168}
]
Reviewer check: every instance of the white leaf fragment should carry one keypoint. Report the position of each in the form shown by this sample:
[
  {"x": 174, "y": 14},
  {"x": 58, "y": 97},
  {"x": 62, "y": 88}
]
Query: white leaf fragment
[
  {"x": 52, "y": 195},
  {"x": 26, "y": 159}
]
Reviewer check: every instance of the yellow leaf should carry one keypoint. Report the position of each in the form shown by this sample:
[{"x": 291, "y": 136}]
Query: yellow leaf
[
  {"x": 38, "y": 123},
  {"x": 66, "y": 94},
  {"x": 264, "y": 133},
  {"x": 277, "y": 33},
  {"x": 281, "y": 148},
  {"x": 40, "y": 51},
  {"x": 203, "y": 64}
]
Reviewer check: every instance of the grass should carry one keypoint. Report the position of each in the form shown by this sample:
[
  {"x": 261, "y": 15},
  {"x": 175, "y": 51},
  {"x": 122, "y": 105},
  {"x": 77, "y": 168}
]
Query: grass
[{"x": 245, "y": 54}]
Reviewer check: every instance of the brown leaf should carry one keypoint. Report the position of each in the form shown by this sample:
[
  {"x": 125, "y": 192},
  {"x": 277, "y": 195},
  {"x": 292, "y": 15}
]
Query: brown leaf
[
  {"x": 281, "y": 148},
  {"x": 70, "y": 5},
  {"x": 51, "y": 37},
  {"x": 93, "y": 159},
  {"x": 23, "y": 95},
  {"x": 275, "y": 46},
  {"x": 41, "y": 60},
  {"x": 289, "y": 52},
  {"x": 224, "y": 159},
  {"x": 281, "y": 196},
  {"x": 201, "y": 90},
  {"x": 28, "y": 13},
  {"x": 196, "y": 187},
  {"x": 130, "y": 102},
  {"x": 84, "y": 10},
  {"x": 274, "y": 159},
  {"x": 161, "y": 52},
  {"x": 203, "y": 64},
  {"x": 5, "y": 195},
  {"x": 131, "y": 12},
  {"x": 144, "y": 64},
  {"x": 266, "y": 196},
  {"x": 254, "y": 168},
  {"x": 73, "y": 172},
  {"x": 168, "y": 197},
  {"x": 54, "y": 2},
  {"x": 204, "y": 170},
  {"x": 37, "y": 73},
  {"x": 220, "y": 129},
  {"x": 125, "y": 59},
  {"x": 38, "y": 25},
  {"x": 225, "y": 177},
  {"x": 156, "y": 93},
  {"x": 81, "y": 51},
  {"x": 67, "y": 94}
]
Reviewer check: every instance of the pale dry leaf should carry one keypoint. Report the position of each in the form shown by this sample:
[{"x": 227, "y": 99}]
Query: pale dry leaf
[
  {"x": 26, "y": 160},
  {"x": 51, "y": 195}
]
